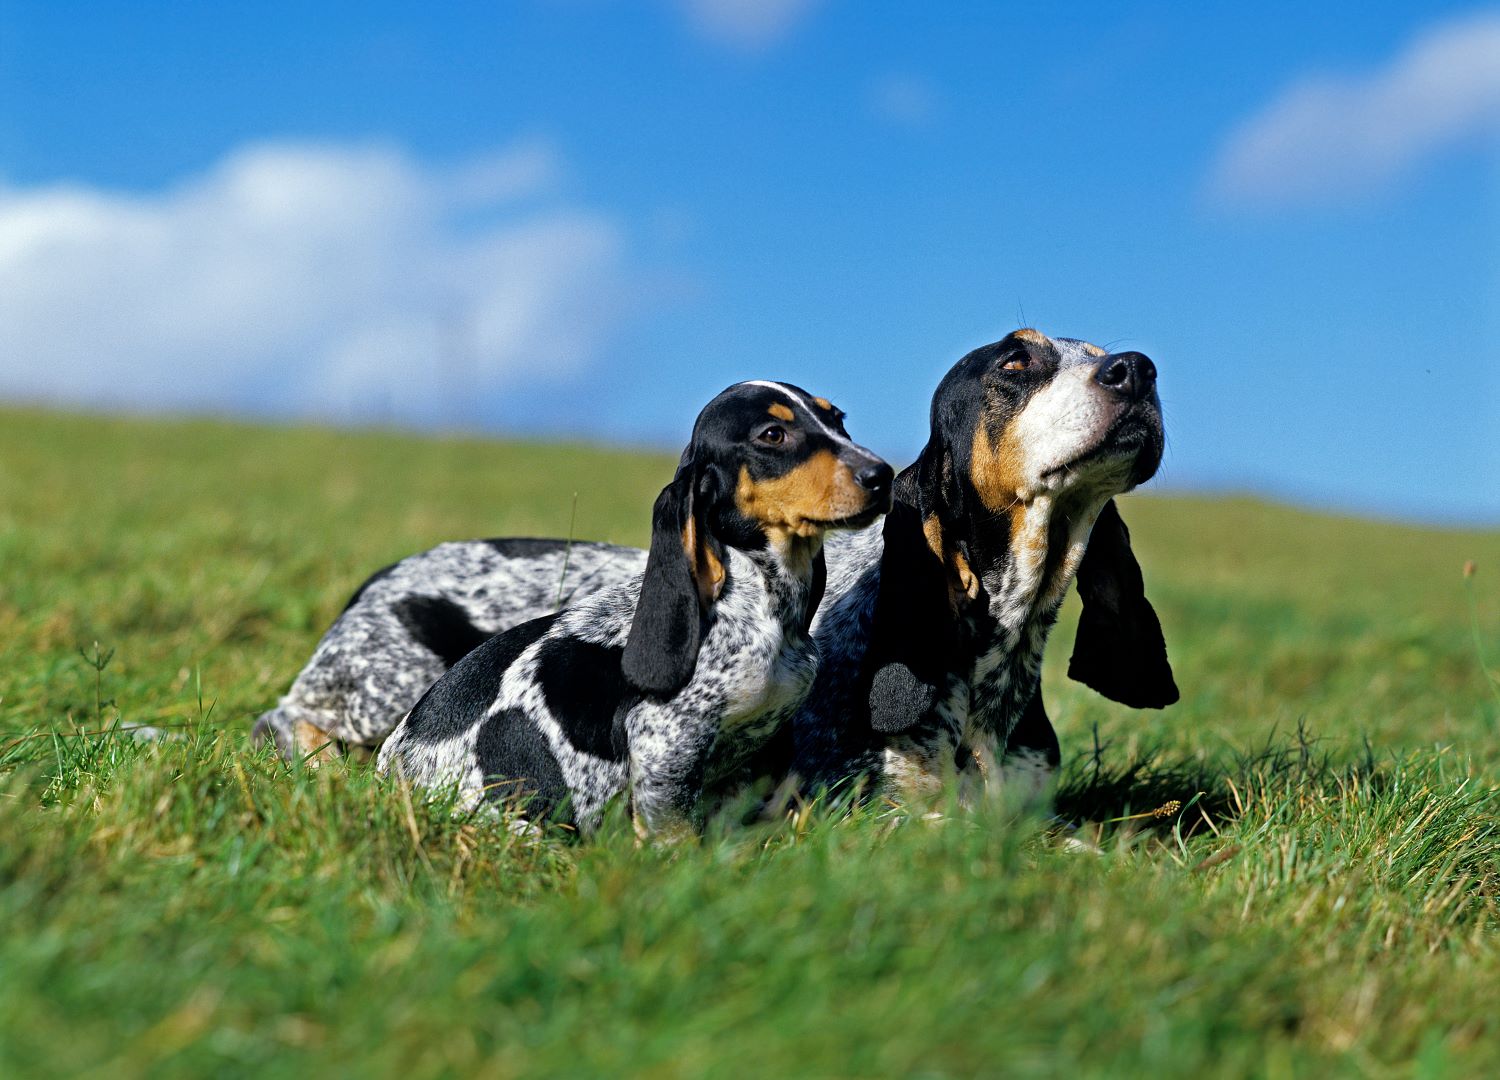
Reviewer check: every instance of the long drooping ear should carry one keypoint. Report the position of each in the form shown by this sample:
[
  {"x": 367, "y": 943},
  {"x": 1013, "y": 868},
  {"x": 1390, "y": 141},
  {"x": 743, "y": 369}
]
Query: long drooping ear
[
  {"x": 684, "y": 575},
  {"x": 1119, "y": 650},
  {"x": 914, "y": 631},
  {"x": 816, "y": 587}
]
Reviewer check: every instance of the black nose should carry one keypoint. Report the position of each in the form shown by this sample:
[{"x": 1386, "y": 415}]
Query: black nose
[
  {"x": 1129, "y": 373},
  {"x": 875, "y": 476}
]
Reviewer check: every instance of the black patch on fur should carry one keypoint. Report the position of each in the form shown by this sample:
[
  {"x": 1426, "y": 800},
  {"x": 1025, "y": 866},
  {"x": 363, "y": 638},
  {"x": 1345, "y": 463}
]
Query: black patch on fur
[
  {"x": 1034, "y": 732},
  {"x": 585, "y": 690},
  {"x": 525, "y": 547},
  {"x": 518, "y": 767},
  {"x": 914, "y": 639},
  {"x": 457, "y": 701},
  {"x": 816, "y": 588},
  {"x": 440, "y": 626},
  {"x": 383, "y": 572}
]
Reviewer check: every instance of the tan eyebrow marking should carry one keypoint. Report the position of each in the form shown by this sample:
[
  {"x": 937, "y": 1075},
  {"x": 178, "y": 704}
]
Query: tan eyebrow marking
[
  {"x": 781, "y": 389},
  {"x": 1036, "y": 337},
  {"x": 781, "y": 412},
  {"x": 1093, "y": 350},
  {"x": 823, "y": 403}
]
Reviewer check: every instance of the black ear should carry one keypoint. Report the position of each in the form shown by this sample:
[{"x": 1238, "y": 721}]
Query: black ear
[
  {"x": 684, "y": 573},
  {"x": 1119, "y": 650},
  {"x": 914, "y": 629},
  {"x": 816, "y": 587}
]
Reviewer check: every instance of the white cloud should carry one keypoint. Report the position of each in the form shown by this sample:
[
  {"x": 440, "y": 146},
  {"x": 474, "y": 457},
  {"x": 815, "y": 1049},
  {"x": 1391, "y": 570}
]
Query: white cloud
[
  {"x": 305, "y": 278},
  {"x": 904, "y": 100},
  {"x": 1333, "y": 135},
  {"x": 747, "y": 24}
]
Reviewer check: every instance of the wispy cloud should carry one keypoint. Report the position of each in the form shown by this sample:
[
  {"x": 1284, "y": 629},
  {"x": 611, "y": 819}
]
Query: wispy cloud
[
  {"x": 1329, "y": 136},
  {"x": 745, "y": 24},
  {"x": 307, "y": 278},
  {"x": 904, "y": 100}
]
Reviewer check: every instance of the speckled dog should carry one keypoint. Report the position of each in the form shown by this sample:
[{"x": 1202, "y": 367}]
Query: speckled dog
[
  {"x": 666, "y": 684},
  {"x": 933, "y": 631},
  {"x": 959, "y": 588}
]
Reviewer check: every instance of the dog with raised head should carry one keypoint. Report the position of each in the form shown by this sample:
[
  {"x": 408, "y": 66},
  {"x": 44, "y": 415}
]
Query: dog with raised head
[
  {"x": 933, "y": 623},
  {"x": 933, "y": 631},
  {"x": 665, "y": 685}
]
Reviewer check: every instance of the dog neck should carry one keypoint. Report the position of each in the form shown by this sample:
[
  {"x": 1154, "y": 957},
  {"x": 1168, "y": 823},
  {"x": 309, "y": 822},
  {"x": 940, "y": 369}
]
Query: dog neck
[
  {"x": 1027, "y": 570},
  {"x": 1047, "y": 539},
  {"x": 780, "y": 576},
  {"x": 1005, "y": 577}
]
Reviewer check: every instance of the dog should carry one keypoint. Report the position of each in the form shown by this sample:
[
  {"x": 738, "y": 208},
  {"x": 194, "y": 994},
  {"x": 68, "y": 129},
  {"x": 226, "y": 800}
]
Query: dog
[
  {"x": 889, "y": 592},
  {"x": 933, "y": 632},
  {"x": 663, "y": 686}
]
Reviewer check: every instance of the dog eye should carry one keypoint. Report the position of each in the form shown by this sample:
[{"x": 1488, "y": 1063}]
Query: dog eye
[
  {"x": 772, "y": 436},
  {"x": 1016, "y": 363}
]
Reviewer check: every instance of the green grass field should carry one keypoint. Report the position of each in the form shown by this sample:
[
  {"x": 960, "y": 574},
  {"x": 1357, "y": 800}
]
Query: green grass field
[{"x": 1325, "y": 902}]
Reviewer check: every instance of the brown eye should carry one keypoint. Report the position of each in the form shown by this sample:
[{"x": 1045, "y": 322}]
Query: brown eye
[
  {"x": 1016, "y": 363},
  {"x": 772, "y": 436}
]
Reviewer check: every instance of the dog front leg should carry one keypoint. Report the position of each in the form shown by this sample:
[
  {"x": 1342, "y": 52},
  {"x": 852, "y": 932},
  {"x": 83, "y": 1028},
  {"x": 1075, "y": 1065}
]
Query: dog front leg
[
  {"x": 1032, "y": 756},
  {"x": 667, "y": 762}
]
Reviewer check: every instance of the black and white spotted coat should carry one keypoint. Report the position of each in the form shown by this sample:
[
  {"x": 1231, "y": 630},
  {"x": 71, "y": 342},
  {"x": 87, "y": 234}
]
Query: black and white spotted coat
[
  {"x": 664, "y": 684},
  {"x": 985, "y": 728},
  {"x": 754, "y": 668},
  {"x": 412, "y": 621},
  {"x": 933, "y": 633},
  {"x": 984, "y": 721}
]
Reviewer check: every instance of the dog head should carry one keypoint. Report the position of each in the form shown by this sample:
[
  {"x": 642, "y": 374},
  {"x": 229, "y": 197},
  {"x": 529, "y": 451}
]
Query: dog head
[
  {"x": 769, "y": 466},
  {"x": 1031, "y": 416},
  {"x": 1024, "y": 419}
]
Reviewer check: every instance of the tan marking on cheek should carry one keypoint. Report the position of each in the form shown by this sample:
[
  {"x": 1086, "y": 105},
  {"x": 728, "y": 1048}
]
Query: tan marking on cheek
[
  {"x": 998, "y": 474},
  {"x": 995, "y": 469},
  {"x": 823, "y": 403},
  {"x": 781, "y": 412},
  {"x": 817, "y": 490},
  {"x": 1093, "y": 350},
  {"x": 1036, "y": 337}
]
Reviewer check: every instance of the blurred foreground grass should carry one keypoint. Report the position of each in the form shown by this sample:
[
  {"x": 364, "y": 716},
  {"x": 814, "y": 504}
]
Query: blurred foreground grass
[{"x": 1325, "y": 900}]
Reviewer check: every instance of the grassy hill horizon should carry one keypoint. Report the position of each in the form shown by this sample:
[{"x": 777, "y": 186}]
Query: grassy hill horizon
[{"x": 1324, "y": 899}]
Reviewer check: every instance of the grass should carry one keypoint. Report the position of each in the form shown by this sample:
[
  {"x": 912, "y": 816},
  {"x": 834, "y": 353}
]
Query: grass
[{"x": 1322, "y": 900}]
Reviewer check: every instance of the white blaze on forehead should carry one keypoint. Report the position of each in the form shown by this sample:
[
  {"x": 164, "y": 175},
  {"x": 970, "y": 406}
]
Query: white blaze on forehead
[{"x": 796, "y": 399}]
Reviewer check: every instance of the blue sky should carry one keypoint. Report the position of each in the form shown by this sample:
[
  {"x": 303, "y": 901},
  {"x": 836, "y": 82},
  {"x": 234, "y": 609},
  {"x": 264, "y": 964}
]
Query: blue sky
[{"x": 585, "y": 217}]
